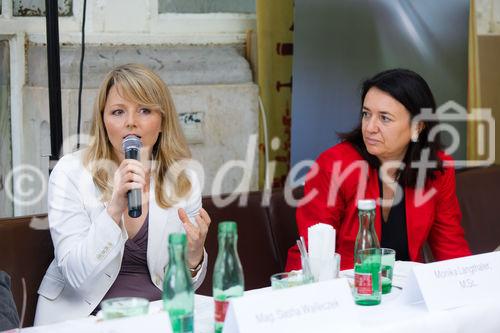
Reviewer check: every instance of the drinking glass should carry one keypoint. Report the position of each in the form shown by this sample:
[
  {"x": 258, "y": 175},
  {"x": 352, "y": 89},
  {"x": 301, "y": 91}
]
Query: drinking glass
[
  {"x": 289, "y": 279},
  {"x": 388, "y": 259},
  {"x": 120, "y": 307},
  {"x": 325, "y": 268}
]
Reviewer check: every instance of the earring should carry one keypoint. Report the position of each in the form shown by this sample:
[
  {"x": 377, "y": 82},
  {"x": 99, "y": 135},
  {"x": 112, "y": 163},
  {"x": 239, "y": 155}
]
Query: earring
[{"x": 414, "y": 137}]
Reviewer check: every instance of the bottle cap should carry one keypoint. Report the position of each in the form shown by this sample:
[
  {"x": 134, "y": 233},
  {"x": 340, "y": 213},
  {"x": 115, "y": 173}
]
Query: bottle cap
[
  {"x": 228, "y": 227},
  {"x": 368, "y": 204}
]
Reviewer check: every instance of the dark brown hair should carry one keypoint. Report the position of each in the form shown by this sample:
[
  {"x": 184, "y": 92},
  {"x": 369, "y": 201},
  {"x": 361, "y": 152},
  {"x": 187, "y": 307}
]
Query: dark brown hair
[{"x": 411, "y": 90}]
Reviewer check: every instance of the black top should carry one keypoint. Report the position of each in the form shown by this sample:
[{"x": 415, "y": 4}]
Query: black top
[{"x": 394, "y": 233}]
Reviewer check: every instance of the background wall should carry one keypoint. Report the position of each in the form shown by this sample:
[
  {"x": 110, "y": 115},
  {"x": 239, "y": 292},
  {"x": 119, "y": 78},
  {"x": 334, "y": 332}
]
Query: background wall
[
  {"x": 489, "y": 53},
  {"x": 488, "y": 16},
  {"x": 206, "y": 6},
  {"x": 5, "y": 145},
  {"x": 341, "y": 43},
  {"x": 488, "y": 28},
  {"x": 198, "y": 50}
]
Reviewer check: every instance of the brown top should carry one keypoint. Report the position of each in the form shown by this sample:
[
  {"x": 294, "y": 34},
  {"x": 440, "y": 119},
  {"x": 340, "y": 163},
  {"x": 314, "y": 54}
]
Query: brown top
[{"x": 134, "y": 280}]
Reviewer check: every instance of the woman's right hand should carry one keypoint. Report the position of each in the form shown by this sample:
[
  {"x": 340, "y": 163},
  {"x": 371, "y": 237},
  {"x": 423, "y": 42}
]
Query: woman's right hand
[{"x": 129, "y": 175}]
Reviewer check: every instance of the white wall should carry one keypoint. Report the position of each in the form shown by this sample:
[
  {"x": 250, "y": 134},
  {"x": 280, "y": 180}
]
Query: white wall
[
  {"x": 229, "y": 107},
  {"x": 488, "y": 16}
]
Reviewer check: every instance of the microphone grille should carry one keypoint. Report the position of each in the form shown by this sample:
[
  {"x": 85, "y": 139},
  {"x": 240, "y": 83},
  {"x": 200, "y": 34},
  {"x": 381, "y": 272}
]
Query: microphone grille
[{"x": 131, "y": 142}]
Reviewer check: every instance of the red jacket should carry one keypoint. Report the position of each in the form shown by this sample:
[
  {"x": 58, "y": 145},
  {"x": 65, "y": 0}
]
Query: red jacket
[{"x": 437, "y": 220}]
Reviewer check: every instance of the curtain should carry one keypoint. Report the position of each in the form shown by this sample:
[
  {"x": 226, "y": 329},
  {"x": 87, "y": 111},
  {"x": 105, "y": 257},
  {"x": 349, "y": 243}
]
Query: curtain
[
  {"x": 473, "y": 87},
  {"x": 274, "y": 77}
]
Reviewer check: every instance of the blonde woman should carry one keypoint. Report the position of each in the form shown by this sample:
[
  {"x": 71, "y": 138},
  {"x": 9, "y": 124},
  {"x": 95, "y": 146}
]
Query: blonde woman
[{"x": 100, "y": 251}]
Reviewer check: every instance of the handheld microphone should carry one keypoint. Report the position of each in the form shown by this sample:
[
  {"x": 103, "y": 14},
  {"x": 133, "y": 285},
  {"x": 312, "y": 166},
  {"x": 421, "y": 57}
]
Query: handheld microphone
[{"x": 131, "y": 146}]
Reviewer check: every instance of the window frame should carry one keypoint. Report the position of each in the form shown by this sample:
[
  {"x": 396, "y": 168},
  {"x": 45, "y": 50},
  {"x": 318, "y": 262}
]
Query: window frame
[{"x": 17, "y": 81}]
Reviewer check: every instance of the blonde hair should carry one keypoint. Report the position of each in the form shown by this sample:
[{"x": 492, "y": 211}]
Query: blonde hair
[{"x": 140, "y": 85}]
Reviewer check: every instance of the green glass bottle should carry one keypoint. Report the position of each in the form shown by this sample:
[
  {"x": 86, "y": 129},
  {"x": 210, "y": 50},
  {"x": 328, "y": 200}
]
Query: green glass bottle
[
  {"x": 178, "y": 294},
  {"x": 228, "y": 281},
  {"x": 366, "y": 237},
  {"x": 367, "y": 256},
  {"x": 367, "y": 277}
]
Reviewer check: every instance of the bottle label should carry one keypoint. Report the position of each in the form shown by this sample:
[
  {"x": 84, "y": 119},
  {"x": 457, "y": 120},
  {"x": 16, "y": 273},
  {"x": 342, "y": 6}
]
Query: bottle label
[
  {"x": 363, "y": 283},
  {"x": 220, "y": 310}
]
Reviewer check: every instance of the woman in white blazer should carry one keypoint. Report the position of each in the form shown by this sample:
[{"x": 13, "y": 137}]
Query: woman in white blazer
[{"x": 87, "y": 200}]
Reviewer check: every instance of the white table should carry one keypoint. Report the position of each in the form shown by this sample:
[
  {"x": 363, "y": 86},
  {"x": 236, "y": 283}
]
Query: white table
[{"x": 388, "y": 317}]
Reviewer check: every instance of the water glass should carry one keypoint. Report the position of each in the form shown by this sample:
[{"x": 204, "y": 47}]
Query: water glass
[
  {"x": 325, "y": 268},
  {"x": 120, "y": 307},
  {"x": 388, "y": 259},
  {"x": 289, "y": 279}
]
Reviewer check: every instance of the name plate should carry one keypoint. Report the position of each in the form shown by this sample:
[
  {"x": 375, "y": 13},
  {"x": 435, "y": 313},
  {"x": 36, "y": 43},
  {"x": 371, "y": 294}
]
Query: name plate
[
  {"x": 326, "y": 306},
  {"x": 454, "y": 283}
]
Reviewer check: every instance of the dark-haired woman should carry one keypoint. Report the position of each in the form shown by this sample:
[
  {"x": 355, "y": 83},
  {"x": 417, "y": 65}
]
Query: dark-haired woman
[{"x": 388, "y": 157}]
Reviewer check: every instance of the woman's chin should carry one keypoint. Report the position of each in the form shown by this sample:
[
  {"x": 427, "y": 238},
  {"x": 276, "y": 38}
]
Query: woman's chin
[{"x": 372, "y": 150}]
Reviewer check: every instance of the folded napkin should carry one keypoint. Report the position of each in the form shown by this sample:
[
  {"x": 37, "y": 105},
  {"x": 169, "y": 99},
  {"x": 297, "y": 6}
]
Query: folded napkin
[{"x": 321, "y": 248}]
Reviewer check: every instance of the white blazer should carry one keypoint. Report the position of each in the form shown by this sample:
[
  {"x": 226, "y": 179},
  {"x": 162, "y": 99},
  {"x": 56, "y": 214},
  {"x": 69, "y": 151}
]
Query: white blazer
[{"x": 89, "y": 245}]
